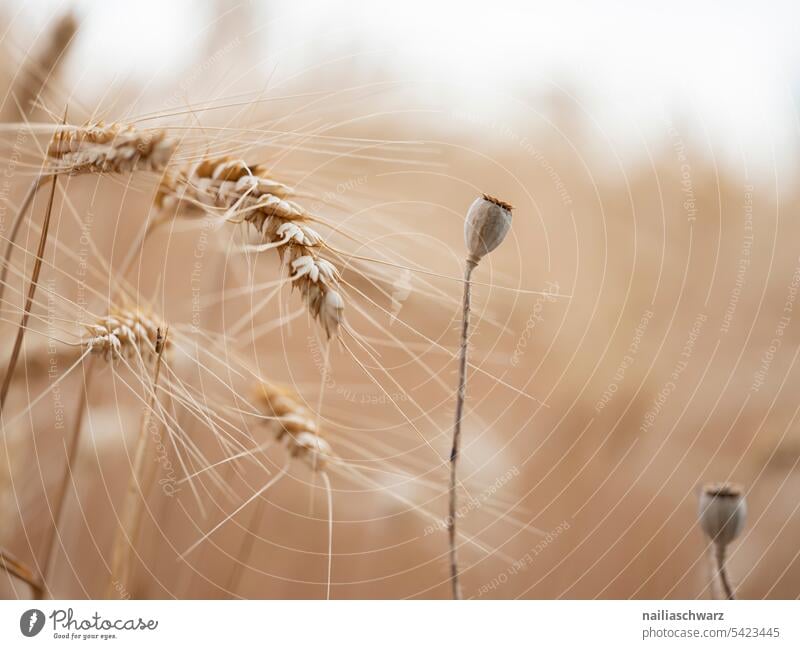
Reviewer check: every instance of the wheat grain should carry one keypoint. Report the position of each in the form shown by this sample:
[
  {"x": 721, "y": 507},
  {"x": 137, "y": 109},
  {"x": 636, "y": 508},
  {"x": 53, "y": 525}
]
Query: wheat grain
[{"x": 244, "y": 193}]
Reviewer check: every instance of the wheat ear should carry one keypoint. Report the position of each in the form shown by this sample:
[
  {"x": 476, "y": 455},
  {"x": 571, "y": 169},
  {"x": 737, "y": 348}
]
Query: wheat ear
[
  {"x": 240, "y": 193},
  {"x": 94, "y": 148},
  {"x": 295, "y": 425},
  {"x": 109, "y": 148}
]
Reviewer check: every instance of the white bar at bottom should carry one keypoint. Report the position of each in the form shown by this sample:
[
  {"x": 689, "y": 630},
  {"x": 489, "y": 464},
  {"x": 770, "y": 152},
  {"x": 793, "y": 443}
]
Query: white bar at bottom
[{"x": 406, "y": 624}]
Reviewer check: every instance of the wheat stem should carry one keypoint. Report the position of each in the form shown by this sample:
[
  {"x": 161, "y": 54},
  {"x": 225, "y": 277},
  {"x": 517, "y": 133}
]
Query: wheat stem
[
  {"x": 18, "y": 220},
  {"x": 14, "y": 567},
  {"x": 37, "y": 268},
  {"x": 246, "y": 547},
  {"x": 61, "y": 494},
  {"x": 132, "y": 509},
  {"x": 462, "y": 386}
]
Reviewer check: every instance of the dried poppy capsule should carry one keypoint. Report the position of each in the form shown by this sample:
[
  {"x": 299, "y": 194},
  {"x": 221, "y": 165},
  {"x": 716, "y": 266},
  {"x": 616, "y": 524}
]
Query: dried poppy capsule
[
  {"x": 488, "y": 221},
  {"x": 722, "y": 512}
]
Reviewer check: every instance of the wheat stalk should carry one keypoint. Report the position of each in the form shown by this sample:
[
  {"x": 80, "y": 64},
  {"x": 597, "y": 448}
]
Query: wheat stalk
[
  {"x": 14, "y": 567},
  {"x": 61, "y": 494},
  {"x": 243, "y": 193},
  {"x": 132, "y": 509},
  {"x": 23, "y": 325}
]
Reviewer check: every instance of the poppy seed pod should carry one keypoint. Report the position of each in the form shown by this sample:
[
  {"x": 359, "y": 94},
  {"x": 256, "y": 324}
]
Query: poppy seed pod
[
  {"x": 722, "y": 512},
  {"x": 488, "y": 222}
]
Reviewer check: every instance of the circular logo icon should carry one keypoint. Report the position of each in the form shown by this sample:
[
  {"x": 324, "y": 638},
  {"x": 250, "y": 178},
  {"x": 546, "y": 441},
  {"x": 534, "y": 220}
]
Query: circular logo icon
[{"x": 31, "y": 622}]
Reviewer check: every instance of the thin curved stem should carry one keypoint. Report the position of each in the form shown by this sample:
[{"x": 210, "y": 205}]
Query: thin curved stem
[
  {"x": 18, "y": 220},
  {"x": 462, "y": 386},
  {"x": 329, "y": 491},
  {"x": 248, "y": 541},
  {"x": 722, "y": 571},
  {"x": 37, "y": 268},
  {"x": 137, "y": 247},
  {"x": 257, "y": 494},
  {"x": 15, "y": 568}
]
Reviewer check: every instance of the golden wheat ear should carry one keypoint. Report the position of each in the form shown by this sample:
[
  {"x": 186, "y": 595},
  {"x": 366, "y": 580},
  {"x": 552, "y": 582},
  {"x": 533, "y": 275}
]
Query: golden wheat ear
[
  {"x": 296, "y": 426},
  {"x": 294, "y": 423},
  {"x": 237, "y": 192},
  {"x": 126, "y": 335},
  {"x": 94, "y": 148},
  {"x": 113, "y": 148}
]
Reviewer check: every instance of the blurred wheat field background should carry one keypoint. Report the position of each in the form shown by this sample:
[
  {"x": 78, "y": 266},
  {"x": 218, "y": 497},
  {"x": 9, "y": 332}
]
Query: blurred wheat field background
[{"x": 634, "y": 337}]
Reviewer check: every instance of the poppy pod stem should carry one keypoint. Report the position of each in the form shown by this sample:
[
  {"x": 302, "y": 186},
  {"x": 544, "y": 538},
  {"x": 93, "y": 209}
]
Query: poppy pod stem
[
  {"x": 719, "y": 553},
  {"x": 487, "y": 223}
]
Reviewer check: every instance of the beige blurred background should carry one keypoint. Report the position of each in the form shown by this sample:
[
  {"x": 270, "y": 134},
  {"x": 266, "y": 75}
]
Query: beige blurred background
[{"x": 636, "y": 334}]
